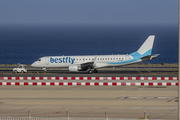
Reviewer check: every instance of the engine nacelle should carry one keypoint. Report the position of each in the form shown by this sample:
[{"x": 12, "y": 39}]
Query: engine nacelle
[{"x": 74, "y": 68}]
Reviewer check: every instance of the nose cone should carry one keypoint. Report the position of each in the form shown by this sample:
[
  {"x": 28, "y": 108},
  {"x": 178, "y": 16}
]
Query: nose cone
[{"x": 33, "y": 65}]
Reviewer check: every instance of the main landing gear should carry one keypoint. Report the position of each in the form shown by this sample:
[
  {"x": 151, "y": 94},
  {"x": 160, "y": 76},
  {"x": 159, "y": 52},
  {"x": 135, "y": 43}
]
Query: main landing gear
[
  {"x": 95, "y": 71},
  {"x": 92, "y": 71}
]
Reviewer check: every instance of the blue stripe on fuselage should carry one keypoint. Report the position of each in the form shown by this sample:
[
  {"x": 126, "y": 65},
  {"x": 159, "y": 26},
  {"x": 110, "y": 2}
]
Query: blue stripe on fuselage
[{"x": 136, "y": 57}]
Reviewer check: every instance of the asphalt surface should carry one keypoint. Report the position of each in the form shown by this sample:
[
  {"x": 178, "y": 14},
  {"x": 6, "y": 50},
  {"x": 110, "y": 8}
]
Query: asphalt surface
[
  {"x": 101, "y": 73},
  {"x": 128, "y": 71},
  {"x": 30, "y": 67}
]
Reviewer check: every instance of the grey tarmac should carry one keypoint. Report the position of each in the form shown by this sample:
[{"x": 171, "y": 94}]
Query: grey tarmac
[
  {"x": 102, "y": 73},
  {"x": 126, "y": 71}
]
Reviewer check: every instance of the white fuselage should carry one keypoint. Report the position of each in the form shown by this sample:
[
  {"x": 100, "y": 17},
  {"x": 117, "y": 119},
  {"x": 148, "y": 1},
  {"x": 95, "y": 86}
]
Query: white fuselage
[{"x": 98, "y": 60}]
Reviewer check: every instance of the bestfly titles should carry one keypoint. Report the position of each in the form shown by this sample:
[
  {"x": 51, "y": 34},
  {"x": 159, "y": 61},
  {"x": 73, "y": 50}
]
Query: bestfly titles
[{"x": 62, "y": 60}]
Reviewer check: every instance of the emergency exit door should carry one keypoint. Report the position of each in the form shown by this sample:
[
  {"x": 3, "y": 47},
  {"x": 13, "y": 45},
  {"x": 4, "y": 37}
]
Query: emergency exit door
[{"x": 47, "y": 60}]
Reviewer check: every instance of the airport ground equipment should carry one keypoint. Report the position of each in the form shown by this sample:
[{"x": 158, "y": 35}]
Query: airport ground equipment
[{"x": 20, "y": 69}]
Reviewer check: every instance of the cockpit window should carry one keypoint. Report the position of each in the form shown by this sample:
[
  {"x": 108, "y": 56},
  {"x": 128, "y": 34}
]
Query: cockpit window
[{"x": 39, "y": 60}]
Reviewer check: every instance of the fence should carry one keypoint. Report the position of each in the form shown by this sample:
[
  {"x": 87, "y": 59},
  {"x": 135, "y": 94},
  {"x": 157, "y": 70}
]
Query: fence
[
  {"x": 67, "y": 118},
  {"x": 41, "y": 118}
]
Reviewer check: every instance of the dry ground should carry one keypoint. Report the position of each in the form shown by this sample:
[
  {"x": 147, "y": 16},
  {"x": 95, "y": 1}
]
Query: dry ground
[{"x": 88, "y": 101}]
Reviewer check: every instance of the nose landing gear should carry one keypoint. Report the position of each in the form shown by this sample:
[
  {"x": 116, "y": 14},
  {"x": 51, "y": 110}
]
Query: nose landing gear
[
  {"x": 45, "y": 70},
  {"x": 92, "y": 71}
]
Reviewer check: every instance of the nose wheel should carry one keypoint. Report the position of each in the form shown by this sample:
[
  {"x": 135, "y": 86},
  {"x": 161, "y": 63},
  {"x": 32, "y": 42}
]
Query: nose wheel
[
  {"x": 94, "y": 71},
  {"x": 45, "y": 70},
  {"x": 90, "y": 71}
]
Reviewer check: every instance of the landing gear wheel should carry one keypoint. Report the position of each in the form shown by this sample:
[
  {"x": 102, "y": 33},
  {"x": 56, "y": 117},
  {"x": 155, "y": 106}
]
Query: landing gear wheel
[
  {"x": 90, "y": 71},
  {"x": 45, "y": 70},
  {"x": 95, "y": 71}
]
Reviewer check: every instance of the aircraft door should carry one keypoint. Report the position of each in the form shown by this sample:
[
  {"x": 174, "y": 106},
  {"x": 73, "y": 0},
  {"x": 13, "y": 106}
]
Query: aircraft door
[
  {"x": 47, "y": 61},
  {"x": 83, "y": 59}
]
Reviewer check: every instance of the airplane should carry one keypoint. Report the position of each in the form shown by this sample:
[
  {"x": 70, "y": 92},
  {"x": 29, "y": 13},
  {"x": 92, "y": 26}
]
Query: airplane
[{"x": 91, "y": 63}]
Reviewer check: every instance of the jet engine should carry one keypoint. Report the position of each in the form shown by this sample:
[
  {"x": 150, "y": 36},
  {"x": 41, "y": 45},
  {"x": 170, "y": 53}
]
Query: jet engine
[{"x": 74, "y": 68}]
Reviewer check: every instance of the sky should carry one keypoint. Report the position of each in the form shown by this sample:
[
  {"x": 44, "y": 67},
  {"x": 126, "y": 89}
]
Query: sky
[{"x": 88, "y": 11}]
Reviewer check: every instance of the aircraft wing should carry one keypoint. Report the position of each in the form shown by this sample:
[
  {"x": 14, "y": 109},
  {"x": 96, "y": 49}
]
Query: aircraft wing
[{"x": 87, "y": 65}]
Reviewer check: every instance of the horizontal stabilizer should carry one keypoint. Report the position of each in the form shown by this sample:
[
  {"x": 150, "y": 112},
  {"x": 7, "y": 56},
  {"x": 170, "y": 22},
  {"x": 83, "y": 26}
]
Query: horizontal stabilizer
[
  {"x": 149, "y": 57},
  {"x": 154, "y": 56}
]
